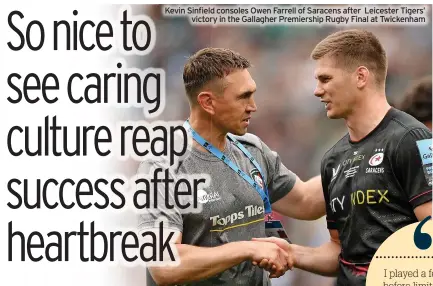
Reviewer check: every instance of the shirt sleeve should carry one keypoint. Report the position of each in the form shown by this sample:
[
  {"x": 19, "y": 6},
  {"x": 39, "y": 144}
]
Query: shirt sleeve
[
  {"x": 413, "y": 165},
  {"x": 155, "y": 212},
  {"x": 280, "y": 179},
  {"x": 330, "y": 219}
]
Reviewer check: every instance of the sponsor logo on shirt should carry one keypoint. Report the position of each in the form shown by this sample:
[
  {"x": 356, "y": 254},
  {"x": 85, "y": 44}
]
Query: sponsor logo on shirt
[
  {"x": 425, "y": 150},
  {"x": 335, "y": 172},
  {"x": 355, "y": 158},
  {"x": 351, "y": 172},
  {"x": 249, "y": 211},
  {"x": 340, "y": 204},
  {"x": 204, "y": 198},
  {"x": 369, "y": 197}
]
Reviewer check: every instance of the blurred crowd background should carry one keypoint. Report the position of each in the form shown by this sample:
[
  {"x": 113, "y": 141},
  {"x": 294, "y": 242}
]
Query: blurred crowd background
[{"x": 289, "y": 119}]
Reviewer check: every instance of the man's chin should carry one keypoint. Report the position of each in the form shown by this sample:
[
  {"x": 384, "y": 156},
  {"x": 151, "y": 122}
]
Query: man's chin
[
  {"x": 332, "y": 115},
  {"x": 240, "y": 132}
]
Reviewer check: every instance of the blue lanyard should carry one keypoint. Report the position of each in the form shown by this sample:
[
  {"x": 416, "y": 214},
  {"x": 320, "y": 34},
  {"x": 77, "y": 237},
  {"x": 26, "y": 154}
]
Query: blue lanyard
[{"x": 217, "y": 153}]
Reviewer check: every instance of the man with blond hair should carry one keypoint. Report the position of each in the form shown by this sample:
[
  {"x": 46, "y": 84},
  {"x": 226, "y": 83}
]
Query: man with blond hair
[{"x": 377, "y": 178}]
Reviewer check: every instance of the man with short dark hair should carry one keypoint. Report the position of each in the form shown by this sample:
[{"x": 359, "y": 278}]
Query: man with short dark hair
[
  {"x": 215, "y": 246},
  {"x": 418, "y": 101},
  {"x": 377, "y": 178}
]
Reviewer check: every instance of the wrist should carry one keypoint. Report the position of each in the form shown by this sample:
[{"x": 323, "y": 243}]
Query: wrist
[
  {"x": 246, "y": 249},
  {"x": 296, "y": 255}
]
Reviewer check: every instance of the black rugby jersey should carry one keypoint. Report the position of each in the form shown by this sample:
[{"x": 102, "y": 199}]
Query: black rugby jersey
[{"x": 372, "y": 186}]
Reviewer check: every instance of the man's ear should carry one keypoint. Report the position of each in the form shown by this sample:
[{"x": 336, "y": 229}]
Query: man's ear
[
  {"x": 205, "y": 100},
  {"x": 362, "y": 76}
]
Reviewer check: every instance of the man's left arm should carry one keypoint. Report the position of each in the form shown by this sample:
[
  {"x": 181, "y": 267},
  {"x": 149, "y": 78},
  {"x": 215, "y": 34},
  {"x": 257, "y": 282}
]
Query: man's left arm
[
  {"x": 423, "y": 211},
  {"x": 413, "y": 168},
  {"x": 305, "y": 201}
]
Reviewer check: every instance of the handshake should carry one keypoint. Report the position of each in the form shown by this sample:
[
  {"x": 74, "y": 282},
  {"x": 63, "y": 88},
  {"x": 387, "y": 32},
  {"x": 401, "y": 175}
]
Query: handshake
[{"x": 272, "y": 254}]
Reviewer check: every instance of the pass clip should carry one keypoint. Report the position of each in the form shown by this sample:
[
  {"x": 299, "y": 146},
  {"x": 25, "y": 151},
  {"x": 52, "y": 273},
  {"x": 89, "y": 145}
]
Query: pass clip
[{"x": 274, "y": 228}]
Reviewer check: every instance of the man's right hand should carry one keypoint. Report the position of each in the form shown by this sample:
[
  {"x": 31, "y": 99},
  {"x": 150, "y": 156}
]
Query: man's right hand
[{"x": 269, "y": 256}]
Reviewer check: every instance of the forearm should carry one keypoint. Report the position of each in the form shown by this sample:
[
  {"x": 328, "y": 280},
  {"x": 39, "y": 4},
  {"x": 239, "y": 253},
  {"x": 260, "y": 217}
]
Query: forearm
[
  {"x": 322, "y": 260},
  {"x": 305, "y": 201},
  {"x": 314, "y": 202},
  {"x": 198, "y": 263}
]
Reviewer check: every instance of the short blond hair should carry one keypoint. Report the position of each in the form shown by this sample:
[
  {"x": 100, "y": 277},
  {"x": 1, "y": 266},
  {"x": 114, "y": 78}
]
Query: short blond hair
[{"x": 354, "y": 48}]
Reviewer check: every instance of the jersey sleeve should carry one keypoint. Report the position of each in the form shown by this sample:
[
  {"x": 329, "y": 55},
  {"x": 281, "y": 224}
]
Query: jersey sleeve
[
  {"x": 330, "y": 219},
  {"x": 413, "y": 166},
  {"x": 280, "y": 179},
  {"x": 156, "y": 212}
]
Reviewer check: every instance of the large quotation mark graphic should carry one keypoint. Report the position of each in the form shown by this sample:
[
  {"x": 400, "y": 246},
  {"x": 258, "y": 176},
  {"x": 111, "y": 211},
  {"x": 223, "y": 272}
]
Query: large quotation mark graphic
[{"x": 422, "y": 240}]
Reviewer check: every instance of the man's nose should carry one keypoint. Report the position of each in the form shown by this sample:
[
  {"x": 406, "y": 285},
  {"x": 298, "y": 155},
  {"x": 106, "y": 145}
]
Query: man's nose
[
  {"x": 318, "y": 91},
  {"x": 252, "y": 107}
]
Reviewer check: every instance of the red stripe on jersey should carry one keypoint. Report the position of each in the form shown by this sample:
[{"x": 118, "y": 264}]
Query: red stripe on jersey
[
  {"x": 358, "y": 270},
  {"x": 422, "y": 194}
]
